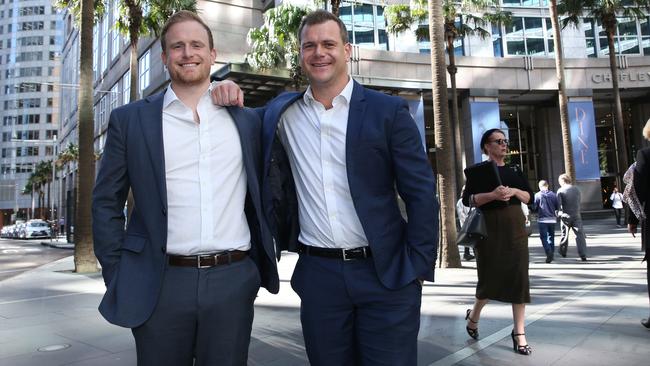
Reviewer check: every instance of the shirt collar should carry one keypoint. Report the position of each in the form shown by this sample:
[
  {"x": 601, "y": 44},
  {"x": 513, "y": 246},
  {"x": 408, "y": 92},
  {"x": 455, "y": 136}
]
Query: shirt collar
[
  {"x": 170, "y": 97},
  {"x": 345, "y": 95}
]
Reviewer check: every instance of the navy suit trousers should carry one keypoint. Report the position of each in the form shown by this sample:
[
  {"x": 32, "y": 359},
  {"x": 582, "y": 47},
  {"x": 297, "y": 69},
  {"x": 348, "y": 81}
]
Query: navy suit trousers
[
  {"x": 203, "y": 317},
  {"x": 349, "y": 318}
]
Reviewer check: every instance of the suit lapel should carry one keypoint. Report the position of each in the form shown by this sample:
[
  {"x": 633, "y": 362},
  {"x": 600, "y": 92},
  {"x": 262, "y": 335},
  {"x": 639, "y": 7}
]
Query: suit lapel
[
  {"x": 355, "y": 121},
  {"x": 151, "y": 125},
  {"x": 251, "y": 162},
  {"x": 270, "y": 124}
]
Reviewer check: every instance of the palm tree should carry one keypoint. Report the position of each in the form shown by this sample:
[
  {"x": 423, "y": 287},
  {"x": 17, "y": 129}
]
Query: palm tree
[
  {"x": 607, "y": 13},
  {"x": 275, "y": 43},
  {"x": 84, "y": 256},
  {"x": 444, "y": 147},
  {"x": 569, "y": 164},
  {"x": 402, "y": 17},
  {"x": 85, "y": 12}
]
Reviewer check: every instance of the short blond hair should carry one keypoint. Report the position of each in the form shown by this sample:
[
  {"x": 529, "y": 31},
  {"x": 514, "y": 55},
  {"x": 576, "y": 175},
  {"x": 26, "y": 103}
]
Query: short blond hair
[
  {"x": 542, "y": 184},
  {"x": 646, "y": 130},
  {"x": 564, "y": 178}
]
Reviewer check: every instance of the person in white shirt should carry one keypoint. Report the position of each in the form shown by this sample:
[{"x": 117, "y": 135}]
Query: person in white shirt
[
  {"x": 350, "y": 151},
  {"x": 185, "y": 272},
  {"x": 617, "y": 205}
]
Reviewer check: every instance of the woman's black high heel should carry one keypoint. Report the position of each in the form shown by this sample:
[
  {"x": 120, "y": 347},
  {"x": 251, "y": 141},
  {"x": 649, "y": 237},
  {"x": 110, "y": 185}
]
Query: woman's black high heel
[
  {"x": 646, "y": 323},
  {"x": 472, "y": 332},
  {"x": 521, "y": 349}
]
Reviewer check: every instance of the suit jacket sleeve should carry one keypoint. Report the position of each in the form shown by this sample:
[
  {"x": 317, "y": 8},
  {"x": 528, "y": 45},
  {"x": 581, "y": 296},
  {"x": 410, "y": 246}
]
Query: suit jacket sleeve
[
  {"x": 109, "y": 196},
  {"x": 417, "y": 187}
]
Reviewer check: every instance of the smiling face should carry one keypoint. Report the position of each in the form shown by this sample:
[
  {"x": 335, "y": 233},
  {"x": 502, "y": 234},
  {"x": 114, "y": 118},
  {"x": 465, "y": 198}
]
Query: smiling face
[
  {"x": 187, "y": 54},
  {"x": 493, "y": 149},
  {"x": 324, "y": 56}
]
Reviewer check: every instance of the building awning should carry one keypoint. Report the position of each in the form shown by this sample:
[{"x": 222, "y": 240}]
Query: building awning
[{"x": 259, "y": 86}]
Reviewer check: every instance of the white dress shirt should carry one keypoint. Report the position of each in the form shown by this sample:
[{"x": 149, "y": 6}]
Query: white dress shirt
[
  {"x": 206, "y": 180},
  {"x": 314, "y": 139}
]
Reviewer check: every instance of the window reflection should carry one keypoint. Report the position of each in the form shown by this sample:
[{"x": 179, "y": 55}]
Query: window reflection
[{"x": 365, "y": 23}]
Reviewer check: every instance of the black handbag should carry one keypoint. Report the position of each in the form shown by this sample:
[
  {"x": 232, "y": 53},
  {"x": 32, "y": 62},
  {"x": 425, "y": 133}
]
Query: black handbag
[{"x": 473, "y": 228}]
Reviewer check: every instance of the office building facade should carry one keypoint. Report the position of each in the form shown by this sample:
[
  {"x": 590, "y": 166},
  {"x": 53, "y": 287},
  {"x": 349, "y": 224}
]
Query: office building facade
[
  {"x": 30, "y": 47},
  {"x": 506, "y": 80}
]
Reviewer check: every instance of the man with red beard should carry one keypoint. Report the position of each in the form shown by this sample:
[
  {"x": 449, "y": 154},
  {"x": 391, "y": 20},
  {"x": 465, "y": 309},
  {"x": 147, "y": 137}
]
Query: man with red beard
[{"x": 185, "y": 272}]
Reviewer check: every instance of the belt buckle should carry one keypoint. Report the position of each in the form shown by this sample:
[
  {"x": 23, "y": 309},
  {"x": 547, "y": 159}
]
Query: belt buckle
[
  {"x": 361, "y": 250},
  {"x": 198, "y": 260},
  {"x": 345, "y": 257}
]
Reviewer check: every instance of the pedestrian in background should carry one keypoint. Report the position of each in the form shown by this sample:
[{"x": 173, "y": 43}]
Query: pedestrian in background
[
  {"x": 546, "y": 205},
  {"x": 568, "y": 197},
  {"x": 461, "y": 212},
  {"x": 617, "y": 205},
  {"x": 501, "y": 258},
  {"x": 641, "y": 186}
]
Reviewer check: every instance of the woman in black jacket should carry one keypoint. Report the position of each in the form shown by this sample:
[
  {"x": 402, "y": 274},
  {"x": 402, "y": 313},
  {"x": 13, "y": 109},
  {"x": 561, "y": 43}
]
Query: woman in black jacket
[{"x": 501, "y": 258}]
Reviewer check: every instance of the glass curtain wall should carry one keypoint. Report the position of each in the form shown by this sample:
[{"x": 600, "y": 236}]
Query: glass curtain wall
[{"x": 365, "y": 23}]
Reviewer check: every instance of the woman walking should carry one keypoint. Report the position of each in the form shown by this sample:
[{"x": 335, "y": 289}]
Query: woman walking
[
  {"x": 641, "y": 188},
  {"x": 502, "y": 258}
]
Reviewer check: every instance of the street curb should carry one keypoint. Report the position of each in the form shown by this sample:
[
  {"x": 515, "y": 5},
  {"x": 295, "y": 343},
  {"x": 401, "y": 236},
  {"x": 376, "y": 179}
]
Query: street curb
[{"x": 58, "y": 245}]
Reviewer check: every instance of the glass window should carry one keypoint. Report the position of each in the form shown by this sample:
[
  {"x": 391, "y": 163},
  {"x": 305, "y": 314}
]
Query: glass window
[
  {"x": 496, "y": 41},
  {"x": 365, "y": 23},
  {"x": 144, "y": 71},
  {"x": 126, "y": 87},
  {"x": 527, "y": 36},
  {"x": 115, "y": 46},
  {"x": 104, "y": 45}
]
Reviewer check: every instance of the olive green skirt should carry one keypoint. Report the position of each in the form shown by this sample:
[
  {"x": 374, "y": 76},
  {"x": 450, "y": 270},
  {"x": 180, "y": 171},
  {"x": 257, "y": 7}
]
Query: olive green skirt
[{"x": 502, "y": 258}]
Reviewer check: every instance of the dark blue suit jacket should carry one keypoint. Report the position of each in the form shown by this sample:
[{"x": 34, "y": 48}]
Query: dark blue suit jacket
[
  {"x": 384, "y": 153},
  {"x": 133, "y": 261}
]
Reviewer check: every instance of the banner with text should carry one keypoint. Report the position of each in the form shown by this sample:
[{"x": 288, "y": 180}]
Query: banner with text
[{"x": 583, "y": 139}]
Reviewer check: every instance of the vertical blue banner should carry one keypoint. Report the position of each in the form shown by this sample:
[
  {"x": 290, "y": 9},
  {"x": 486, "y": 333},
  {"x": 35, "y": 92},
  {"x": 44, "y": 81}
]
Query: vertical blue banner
[
  {"x": 416, "y": 109},
  {"x": 485, "y": 115},
  {"x": 583, "y": 140}
]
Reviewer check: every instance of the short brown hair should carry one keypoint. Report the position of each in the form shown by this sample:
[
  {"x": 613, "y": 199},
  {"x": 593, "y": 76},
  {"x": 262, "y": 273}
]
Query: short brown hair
[
  {"x": 184, "y": 16},
  {"x": 320, "y": 17}
]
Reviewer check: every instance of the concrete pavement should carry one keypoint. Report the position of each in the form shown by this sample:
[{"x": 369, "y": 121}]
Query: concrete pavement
[{"x": 582, "y": 313}]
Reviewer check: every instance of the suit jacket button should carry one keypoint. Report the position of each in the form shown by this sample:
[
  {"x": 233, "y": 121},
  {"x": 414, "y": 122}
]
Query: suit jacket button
[
  {"x": 164, "y": 212},
  {"x": 163, "y": 250}
]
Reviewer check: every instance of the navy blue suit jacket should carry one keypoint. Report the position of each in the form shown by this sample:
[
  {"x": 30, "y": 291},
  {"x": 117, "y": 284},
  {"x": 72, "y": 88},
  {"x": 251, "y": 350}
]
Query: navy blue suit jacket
[
  {"x": 133, "y": 261},
  {"x": 384, "y": 157}
]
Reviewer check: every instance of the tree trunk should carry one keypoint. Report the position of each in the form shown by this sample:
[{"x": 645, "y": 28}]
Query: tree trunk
[
  {"x": 135, "y": 18},
  {"x": 455, "y": 117},
  {"x": 84, "y": 256},
  {"x": 335, "y": 6},
  {"x": 446, "y": 175},
  {"x": 567, "y": 145},
  {"x": 620, "y": 146}
]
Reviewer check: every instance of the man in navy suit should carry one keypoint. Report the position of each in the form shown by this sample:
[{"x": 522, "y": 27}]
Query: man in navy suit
[
  {"x": 185, "y": 272},
  {"x": 350, "y": 151}
]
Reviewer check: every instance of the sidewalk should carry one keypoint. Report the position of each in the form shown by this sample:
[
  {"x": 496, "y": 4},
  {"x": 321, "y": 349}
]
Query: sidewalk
[{"x": 583, "y": 313}]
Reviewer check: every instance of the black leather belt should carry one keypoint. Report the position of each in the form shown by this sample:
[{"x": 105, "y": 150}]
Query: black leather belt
[
  {"x": 345, "y": 254},
  {"x": 207, "y": 260}
]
